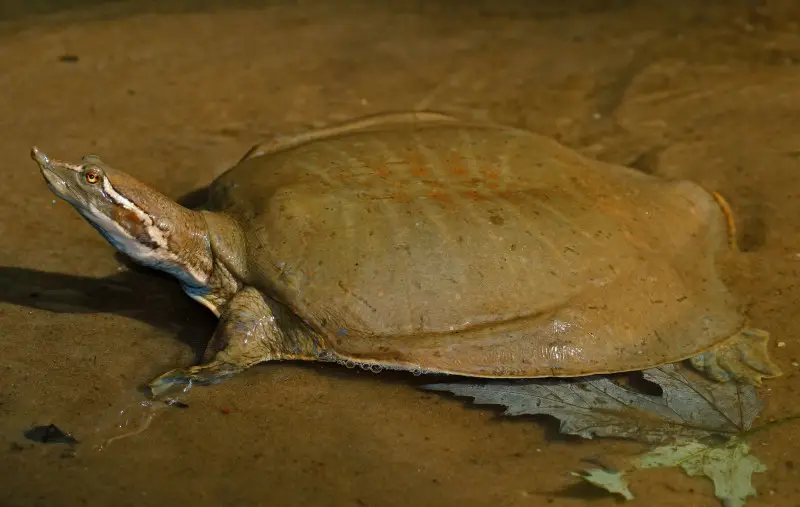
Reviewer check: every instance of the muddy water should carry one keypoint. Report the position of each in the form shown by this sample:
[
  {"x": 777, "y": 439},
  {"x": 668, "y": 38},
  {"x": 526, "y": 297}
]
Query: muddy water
[{"x": 176, "y": 92}]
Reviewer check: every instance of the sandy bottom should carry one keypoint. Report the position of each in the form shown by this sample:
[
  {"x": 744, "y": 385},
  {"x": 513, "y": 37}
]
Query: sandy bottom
[{"x": 174, "y": 94}]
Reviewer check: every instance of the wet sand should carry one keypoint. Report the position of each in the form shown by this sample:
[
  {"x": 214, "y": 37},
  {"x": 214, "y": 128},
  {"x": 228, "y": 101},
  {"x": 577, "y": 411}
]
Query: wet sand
[{"x": 174, "y": 93}]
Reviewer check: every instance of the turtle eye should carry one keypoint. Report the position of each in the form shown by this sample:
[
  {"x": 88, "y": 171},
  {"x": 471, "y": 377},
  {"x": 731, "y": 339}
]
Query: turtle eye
[{"x": 92, "y": 176}]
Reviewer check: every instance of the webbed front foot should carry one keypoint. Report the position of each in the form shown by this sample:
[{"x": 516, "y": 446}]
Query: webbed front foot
[
  {"x": 743, "y": 357},
  {"x": 204, "y": 374},
  {"x": 252, "y": 329}
]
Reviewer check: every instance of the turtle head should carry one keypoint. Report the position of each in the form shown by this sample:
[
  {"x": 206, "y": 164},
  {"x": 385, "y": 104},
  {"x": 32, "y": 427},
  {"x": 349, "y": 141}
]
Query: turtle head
[{"x": 136, "y": 219}]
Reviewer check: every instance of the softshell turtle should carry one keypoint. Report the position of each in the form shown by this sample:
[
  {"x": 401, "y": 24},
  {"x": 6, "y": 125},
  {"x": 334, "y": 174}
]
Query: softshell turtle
[{"x": 421, "y": 242}]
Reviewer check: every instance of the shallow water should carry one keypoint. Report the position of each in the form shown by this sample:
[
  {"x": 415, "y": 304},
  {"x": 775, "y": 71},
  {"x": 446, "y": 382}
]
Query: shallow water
[{"x": 175, "y": 92}]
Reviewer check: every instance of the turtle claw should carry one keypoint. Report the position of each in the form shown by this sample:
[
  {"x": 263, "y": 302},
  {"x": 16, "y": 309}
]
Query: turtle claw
[
  {"x": 743, "y": 357},
  {"x": 183, "y": 378}
]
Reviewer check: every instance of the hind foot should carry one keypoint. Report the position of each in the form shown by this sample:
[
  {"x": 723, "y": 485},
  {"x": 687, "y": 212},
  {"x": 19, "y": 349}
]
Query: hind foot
[{"x": 743, "y": 357}]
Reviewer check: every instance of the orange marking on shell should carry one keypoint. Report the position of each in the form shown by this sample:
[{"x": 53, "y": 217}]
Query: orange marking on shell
[
  {"x": 440, "y": 196},
  {"x": 491, "y": 174},
  {"x": 382, "y": 171},
  {"x": 456, "y": 163},
  {"x": 475, "y": 195},
  {"x": 417, "y": 164},
  {"x": 419, "y": 170}
]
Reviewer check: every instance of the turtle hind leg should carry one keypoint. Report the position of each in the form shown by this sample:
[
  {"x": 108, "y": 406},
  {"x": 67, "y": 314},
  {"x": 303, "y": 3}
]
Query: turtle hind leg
[
  {"x": 743, "y": 357},
  {"x": 251, "y": 330}
]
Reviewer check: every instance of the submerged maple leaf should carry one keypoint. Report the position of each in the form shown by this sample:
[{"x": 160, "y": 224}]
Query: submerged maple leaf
[
  {"x": 689, "y": 409},
  {"x": 690, "y": 406}
]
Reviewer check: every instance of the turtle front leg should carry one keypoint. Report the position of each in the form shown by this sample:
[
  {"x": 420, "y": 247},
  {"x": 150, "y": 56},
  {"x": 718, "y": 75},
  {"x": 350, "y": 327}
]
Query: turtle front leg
[
  {"x": 743, "y": 358},
  {"x": 252, "y": 329}
]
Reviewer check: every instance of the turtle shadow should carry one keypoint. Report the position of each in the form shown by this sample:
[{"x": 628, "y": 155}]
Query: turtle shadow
[
  {"x": 195, "y": 198},
  {"x": 144, "y": 295},
  {"x": 550, "y": 426},
  {"x": 156, "y": 299}
]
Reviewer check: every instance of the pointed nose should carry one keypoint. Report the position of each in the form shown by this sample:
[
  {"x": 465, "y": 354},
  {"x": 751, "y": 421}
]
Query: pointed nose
[{"x": 39, "y": 157}]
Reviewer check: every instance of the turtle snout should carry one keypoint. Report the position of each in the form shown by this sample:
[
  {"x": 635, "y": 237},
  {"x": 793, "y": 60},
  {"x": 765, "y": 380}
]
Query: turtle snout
[
  {"x": 40, "y": 158},
  {"x": 55, "y": 174},
  {"x": 54, "y": 181}
]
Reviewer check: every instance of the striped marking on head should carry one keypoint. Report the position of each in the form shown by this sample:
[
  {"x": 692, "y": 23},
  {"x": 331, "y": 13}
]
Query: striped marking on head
[
  {"x": 140, "y": 225},
  {"x": 136, "y": 233},
  {"x": 142, "y": 230}
]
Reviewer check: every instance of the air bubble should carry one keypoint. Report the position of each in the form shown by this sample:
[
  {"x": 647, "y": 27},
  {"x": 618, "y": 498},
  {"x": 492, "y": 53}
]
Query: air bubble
[
  {"x": 350, "y": 364},
  {"x": 376, "y": 368}
]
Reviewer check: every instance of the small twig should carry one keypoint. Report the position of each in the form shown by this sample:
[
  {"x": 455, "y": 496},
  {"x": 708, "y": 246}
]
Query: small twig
[{"x": 133, "y": 433}]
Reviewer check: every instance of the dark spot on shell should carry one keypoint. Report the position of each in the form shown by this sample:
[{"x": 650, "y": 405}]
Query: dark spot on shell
[{"x": 497, "y": 220}]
